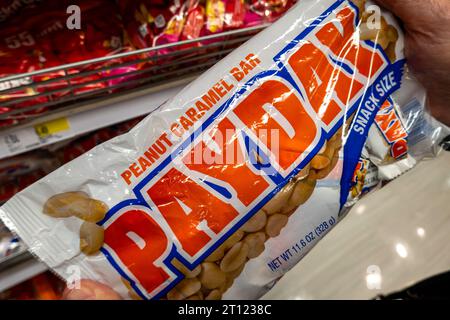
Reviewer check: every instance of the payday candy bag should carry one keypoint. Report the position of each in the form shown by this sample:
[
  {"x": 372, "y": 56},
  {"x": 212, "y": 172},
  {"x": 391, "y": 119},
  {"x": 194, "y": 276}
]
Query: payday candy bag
[{"x": 229, "y": 184}]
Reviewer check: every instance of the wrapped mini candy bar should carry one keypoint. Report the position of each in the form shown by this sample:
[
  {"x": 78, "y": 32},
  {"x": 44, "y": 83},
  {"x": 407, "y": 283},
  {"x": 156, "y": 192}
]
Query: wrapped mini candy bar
[
  {"x": 234, "y": 14},
  {"x": 388, "y": 142},
  {"x": 222, "y": 15},
  {"x": 194, "y": 23},
  {"x": 270, "y": 10},
  {"x": 227, "y": 186},
  {"x": 215, "y": 16},
  {"x": 403, "y": 133},
  {"x": 152, "y": 22}
]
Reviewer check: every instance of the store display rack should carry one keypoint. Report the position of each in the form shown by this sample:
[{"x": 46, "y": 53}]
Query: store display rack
[{"x": 18, "y": 268}]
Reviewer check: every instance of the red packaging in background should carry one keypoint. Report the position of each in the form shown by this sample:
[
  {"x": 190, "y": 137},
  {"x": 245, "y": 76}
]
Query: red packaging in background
[
  {"x": 270, "y": 10},
  {"x": 100, "y": 35},
  {"x": 17, "y": 184},
  {"x": 194, "y": 22},
  {"x": 19, "y": 172},
  {"x": 152, "y": 22},
  {"x": 18, "y": 54},
  {"x": 215, "y": 16},
  {"x": 34, "y": 36},
  {"x": 234, "y": 14},
  {"x": 11, "y": 8},
  {"x": 45, "y": 41},
  {"x": 45, "y": 286}
]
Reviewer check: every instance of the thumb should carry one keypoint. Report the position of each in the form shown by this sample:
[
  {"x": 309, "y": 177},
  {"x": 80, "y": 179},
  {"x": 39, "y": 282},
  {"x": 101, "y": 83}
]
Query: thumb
[{"x": 90, "y": 290}]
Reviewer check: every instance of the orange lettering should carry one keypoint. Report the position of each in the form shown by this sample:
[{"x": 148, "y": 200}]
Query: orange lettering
[
  {"x": 233, "y": 168},
  {"x": 342, "y": 45},
  {"x": 320, "y": 79},
  {"x": 139, "y": 257},
  {"x": 185, "y": 206},
  {"x": 297, "y": 130}
]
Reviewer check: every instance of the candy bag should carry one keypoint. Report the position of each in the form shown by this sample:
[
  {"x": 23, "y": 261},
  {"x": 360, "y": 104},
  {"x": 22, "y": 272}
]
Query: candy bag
[{"x": 229, "y": 184}]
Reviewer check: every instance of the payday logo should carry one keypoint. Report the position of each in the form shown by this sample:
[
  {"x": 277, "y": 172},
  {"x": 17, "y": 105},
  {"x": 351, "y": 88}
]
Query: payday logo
[
  {"x": 391, "y": 127},
  {"x": 185, "y": 210}
]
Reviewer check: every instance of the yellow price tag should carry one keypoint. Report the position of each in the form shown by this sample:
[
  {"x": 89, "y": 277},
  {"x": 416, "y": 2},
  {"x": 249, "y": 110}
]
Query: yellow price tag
[{"x": 51, "y": 127}]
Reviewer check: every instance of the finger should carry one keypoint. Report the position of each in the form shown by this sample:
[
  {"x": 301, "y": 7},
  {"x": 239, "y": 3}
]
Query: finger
[
  {"x": 395, "y": 5},
  {"x": 413, "y": 11},
  {"x": 90, "y": 290},
  {"x": 404, "y": 9}
]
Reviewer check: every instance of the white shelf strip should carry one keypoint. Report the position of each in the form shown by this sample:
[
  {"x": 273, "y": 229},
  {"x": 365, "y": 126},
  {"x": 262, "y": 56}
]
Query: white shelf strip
[
  {"x": 25, "y": 138},
  {"x": 20, "y": 272}
]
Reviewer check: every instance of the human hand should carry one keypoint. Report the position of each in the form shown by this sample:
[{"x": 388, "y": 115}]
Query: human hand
[
  {"x": 427, "y": 48},
  {"x": 90, "y": 290}
]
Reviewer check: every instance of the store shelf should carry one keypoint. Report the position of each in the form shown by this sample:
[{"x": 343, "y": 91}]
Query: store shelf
[
  {"x": 86, "y": 117},
  {"x": 19, "y": 268},
  {"x": 36, "y": 95}
]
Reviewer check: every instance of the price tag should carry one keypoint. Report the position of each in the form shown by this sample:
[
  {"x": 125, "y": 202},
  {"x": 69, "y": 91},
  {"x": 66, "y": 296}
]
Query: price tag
[
  {"x": 18, "y": 141},
  {"x": 48, "y": 128}
]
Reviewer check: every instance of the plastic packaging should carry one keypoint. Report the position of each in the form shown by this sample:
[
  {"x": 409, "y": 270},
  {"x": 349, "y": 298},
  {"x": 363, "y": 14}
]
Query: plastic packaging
[{"x": 229, "y": 184}]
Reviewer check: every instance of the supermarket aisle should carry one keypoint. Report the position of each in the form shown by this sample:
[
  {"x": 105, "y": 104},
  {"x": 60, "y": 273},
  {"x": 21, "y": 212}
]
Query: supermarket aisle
[{"x": 390, "y": 240}]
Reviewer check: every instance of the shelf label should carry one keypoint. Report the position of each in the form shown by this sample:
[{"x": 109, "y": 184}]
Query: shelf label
[
  {"x": 18, "y": 141},
  {"x": 48, "y": 128}
]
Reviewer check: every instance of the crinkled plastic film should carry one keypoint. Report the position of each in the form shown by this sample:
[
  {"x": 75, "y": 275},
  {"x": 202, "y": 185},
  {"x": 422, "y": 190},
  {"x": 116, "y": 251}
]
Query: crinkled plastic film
[{"x": 229, "y": 184}]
